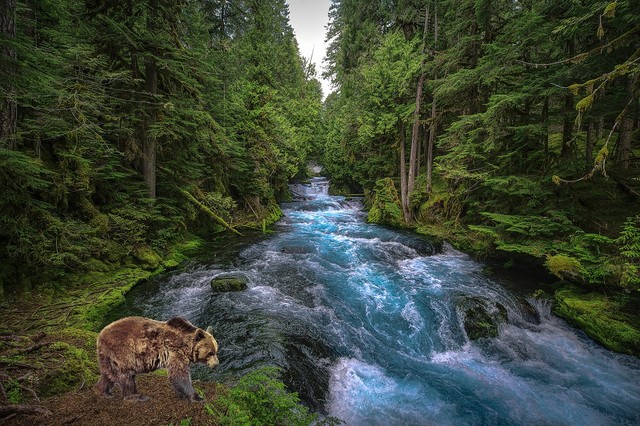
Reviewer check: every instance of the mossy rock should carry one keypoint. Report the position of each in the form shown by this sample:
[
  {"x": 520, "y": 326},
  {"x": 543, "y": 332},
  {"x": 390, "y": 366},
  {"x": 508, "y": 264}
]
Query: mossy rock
[
  {"x": 602, "y": 318},
  {"x": 223, "y": 283},
  {"x": 481, "y": 318},
  {"x": 146, "y": 256}
]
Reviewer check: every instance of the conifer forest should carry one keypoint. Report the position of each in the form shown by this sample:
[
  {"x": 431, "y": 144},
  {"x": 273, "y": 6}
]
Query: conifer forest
[{"x": 137, "y": 134}]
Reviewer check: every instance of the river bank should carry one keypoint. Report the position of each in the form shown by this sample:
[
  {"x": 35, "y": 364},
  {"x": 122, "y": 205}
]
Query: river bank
[
  {"x": 611, "y": 317},
  {"x": 48, "y": 341}
]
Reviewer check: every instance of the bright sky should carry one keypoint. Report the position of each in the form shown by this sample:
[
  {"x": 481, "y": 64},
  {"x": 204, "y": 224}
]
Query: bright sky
[{"x": 309, "y": 19}]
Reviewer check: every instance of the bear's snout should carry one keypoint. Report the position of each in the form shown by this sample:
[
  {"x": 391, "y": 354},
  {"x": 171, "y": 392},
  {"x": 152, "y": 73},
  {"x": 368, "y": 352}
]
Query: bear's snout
[{"x": 213, "y": 362}]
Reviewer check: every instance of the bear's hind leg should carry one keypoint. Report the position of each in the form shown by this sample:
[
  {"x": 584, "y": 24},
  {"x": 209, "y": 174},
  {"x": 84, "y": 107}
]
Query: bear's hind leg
[
  {"x": 104, "y": 386},
  {"x": 129, "y": 389}
]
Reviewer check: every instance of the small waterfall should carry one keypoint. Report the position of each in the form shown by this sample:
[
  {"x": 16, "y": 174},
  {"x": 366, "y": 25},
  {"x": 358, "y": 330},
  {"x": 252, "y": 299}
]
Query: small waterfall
[{"x": 315, "y": 187}]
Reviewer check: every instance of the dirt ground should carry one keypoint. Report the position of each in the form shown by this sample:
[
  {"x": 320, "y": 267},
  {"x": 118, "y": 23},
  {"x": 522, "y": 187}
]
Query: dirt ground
[{"x": 86, "y": 408}]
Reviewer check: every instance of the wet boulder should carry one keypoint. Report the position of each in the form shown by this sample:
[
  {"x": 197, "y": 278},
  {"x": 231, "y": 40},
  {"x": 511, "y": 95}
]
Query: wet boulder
[
  {"x": 293, "y": 249},
  {"x": 480, "y": 317},
  {"x": 223, "y": 283}
]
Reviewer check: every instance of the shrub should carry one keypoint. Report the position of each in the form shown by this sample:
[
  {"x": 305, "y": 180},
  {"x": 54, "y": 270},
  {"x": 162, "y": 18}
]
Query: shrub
[{"x": 261, "y": 398}]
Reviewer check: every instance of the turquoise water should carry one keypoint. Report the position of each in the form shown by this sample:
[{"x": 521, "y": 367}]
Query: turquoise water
[{"x": 367, "y": 325}]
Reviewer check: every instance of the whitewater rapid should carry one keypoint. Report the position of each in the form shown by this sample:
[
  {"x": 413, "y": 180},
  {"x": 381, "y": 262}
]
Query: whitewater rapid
[{"x": 365, "y": 322}]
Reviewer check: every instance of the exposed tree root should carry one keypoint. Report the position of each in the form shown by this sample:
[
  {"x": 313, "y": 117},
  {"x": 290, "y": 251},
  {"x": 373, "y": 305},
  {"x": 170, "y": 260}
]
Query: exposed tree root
[{"x": 12, "y": 410}]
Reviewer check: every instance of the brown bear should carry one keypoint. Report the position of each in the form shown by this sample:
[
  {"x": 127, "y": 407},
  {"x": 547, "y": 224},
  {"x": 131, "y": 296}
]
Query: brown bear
[{"x": 135, "y": 345}]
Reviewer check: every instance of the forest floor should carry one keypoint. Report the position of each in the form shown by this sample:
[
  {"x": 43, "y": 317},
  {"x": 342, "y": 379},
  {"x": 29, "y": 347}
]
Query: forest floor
[
  {"x": 48, "y": 362},
  {"x": 84, "y": 407},
  {"x": 47, "y": 376}
]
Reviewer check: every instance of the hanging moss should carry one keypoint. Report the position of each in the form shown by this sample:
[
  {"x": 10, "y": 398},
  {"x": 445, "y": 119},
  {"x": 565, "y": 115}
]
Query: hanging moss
[
  {"x": 610, "y": 10},
  {"x": 585, "y": 103}
]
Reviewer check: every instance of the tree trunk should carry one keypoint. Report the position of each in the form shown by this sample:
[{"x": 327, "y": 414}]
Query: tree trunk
[
  {"x": 567, "y": 125},
  {"x": 544, "y": 116},
  {"x": 589, "y": 144},
  {"x": 151, "y": 86},
  {"x": 415, "y": 131},
  {"x": 404, "y": 198},
  {"x": 432, "y": 127},
  {"x": 623, "y": 153},
  {"x": 600, "y": 128},
  {"x": 432, "y": 138},
  {"x": 9, "y": 111}
]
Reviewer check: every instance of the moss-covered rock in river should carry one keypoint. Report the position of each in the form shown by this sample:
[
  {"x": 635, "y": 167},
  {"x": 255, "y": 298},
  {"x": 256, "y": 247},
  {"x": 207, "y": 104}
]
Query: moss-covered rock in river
[
  {"x": 605, "y": 319},
  {"x": 229, "y": 283},
  {"x": 480, "y": 317}
]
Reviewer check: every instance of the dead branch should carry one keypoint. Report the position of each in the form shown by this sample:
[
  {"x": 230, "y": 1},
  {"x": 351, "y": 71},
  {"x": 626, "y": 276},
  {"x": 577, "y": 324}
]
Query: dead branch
[
  {"x": 600, "y": 163},
  {"x": 37, "y": 337}
]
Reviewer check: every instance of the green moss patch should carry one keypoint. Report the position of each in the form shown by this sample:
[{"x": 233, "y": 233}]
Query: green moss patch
[
  {"x": 74, "y": 369},
  {"x": 604, "y": 319}
]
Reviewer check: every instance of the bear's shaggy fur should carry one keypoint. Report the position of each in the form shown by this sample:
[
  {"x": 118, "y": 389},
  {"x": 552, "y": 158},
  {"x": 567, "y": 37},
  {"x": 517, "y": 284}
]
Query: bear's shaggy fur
[{"x": 135, "y": 345}]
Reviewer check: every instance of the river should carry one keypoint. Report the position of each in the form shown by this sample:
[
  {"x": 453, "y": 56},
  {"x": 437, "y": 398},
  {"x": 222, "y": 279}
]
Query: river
[{"x": 366, "y": 323}]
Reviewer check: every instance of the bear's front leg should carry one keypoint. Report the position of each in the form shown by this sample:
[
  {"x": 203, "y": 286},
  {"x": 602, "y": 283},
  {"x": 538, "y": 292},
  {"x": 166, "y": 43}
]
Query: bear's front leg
[{"x": 180, "y": 379}]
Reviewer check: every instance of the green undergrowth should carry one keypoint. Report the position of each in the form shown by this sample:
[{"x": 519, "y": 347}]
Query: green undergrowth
[
  {"x": 98, "y": 292},
  {"x": 260, "y": 398},
  {"x": 611, "y": 321},
  {"x": 75, "y": 367}
]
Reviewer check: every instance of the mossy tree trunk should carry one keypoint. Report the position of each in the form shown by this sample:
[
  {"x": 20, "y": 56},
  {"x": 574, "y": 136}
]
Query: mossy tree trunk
[{"x": 567, "y": 125}]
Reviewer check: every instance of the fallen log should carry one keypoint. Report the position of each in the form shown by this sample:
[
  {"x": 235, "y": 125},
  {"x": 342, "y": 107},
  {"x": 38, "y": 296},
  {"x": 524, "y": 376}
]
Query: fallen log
[{"x": 209, "y": 212}]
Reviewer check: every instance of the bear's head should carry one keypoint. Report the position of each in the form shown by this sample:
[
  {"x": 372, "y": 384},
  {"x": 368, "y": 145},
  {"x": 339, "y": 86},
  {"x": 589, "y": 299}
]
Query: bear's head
[{"x": 205, "y": 348}]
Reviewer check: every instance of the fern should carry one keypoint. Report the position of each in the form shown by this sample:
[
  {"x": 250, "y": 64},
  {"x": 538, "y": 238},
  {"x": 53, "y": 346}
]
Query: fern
[{"x": 629, "y": 239}]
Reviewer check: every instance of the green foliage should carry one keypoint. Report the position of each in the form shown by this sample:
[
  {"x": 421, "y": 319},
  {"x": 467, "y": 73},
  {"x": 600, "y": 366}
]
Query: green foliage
[
  {"x": 385, "y": 204},
  {"x": 629, "y": 239},
  {"x": 259, "y": 398},
  {"x": 74, "y": 369},
  {"x": 14, "y": 392},
  {"x": 552, "y": 223},
  {"x": 235, "y": 117}
]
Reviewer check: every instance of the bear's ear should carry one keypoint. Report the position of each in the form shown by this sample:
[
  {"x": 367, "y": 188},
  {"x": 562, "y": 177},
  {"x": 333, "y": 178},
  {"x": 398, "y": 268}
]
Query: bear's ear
[
  {"x": 200, "y": 334},
  {"x": 209, "y": 330}
]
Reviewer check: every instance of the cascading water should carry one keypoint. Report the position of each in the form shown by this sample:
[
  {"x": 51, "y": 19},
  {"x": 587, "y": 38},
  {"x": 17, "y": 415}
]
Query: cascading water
[{"x": 368, "y": 324}]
